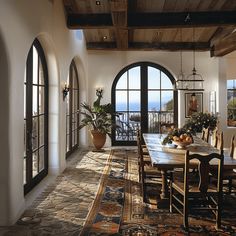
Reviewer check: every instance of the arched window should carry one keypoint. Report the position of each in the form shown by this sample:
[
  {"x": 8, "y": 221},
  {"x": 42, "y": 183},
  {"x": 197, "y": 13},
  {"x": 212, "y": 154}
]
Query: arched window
[
  {"x": 72, "y": 118},
  {"x": 143, "y": 96},
  {"x": 35, "y": 117}
]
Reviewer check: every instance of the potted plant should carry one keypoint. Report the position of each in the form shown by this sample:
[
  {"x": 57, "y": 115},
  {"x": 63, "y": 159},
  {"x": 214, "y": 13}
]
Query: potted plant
[
  {"x": 201, "y": 120},
  {"x": 98, "y": 118}
]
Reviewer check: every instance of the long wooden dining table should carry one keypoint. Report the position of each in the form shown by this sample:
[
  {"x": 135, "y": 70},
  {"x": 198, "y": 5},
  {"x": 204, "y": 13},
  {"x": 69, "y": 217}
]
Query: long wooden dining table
[{"x": 167, "y": 157}]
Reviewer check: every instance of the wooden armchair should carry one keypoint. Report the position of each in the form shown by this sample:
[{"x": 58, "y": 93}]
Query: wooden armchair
[{"x": 186, "y": 196}]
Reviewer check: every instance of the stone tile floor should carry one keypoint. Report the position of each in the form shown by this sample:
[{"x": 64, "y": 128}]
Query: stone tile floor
[{"x": 63, "y": 206}]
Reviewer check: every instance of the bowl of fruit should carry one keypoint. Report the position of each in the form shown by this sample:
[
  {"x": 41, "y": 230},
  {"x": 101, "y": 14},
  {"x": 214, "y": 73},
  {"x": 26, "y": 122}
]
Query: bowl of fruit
[
  {"x": 180, "y": 137},
  {"x": 183, "y": 140}
]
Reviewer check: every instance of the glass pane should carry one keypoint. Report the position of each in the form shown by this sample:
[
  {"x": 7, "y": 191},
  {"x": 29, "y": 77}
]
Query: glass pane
[
  {"x": 74, "y": 99},
  {"x": 134, "y": 100},
  {"x": 41, "y": 100},
  {"x": 34, "y": 163},
  {"x": 41, "y": 75},
  {"x": 165, "y": 82},
  {"x": 35, "y": 133},
  {"x": 41, "y": 159},
  {"x": 67, "y": 143},
  {"x": 230, "y": 84},
  {"x": 35, "y": 101},
  {"x": 24, "y": 100},
  {"x": 67, "y": 124},
  {"x": 35, "y": 66},
  {"x": 76, "y": 136},
  {"x": 154, "y": 121},
  {"x": 24, "y": 172},
  {"x": 76, "y": 104},
  {"x": 75, "y": 120},
  {"x": 41, "y": 130},
  {"x": 75, "y": 84},
  {"x": 73, "y": 138},
  {"x": 121, "y": 100},
  {"x": 153, "y": 101},
  {"x": 167, "y": 101},
  {"x": 134, "y": 78},
  {"x": 153, "y": 78},
  {"x": 67, "y": 104},
  {"x": 25, "y": 76},
  {"x": 122, "y": 83},
  {"x": 24, "y": 137}
]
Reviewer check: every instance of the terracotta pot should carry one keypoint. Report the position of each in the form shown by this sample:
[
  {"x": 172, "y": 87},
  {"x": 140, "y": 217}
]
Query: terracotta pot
[{"x": 98, "y": 139}]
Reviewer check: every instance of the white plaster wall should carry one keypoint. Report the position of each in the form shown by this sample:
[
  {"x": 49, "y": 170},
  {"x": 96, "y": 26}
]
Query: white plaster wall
[
  {"x": 20, "y": 23},
  {"x": 226, "y": 71},
  {"x": 104, "y": 66}
]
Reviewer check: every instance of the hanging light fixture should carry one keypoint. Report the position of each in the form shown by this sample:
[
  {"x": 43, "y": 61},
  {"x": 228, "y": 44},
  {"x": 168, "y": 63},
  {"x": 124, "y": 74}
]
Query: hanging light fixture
[
  {"x": 194, "y": 80},
  {"x": 181, "y": 83}
]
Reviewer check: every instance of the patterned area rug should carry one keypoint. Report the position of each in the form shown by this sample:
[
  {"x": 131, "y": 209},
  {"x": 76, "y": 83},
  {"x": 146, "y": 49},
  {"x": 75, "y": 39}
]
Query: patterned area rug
[{"x": 119, "y": 209}]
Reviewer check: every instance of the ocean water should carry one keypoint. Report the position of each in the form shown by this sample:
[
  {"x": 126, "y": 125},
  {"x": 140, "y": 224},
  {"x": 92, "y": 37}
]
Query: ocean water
[{"x": 152, "y": 106}]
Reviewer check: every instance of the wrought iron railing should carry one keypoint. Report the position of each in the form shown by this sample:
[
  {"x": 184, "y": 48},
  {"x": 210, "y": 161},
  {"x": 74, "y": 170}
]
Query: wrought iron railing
[{"x": 129, "y": 122}]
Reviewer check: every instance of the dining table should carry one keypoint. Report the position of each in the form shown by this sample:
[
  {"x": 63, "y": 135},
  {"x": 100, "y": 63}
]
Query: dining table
[{"x": 168, "y": 157}]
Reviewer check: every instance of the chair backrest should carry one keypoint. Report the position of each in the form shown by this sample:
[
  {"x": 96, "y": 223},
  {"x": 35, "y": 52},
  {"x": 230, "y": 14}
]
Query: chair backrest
[
  {"x": 203, "y": 168},
  {"x": 139, "y": 142},
  {"x": 220, "y": 141},
  {"x": 205, "y": 134},
  {"x": 166, "y": 127},
  {"x": 214, "y": 137},
  {"x": 232, "y": 147}
]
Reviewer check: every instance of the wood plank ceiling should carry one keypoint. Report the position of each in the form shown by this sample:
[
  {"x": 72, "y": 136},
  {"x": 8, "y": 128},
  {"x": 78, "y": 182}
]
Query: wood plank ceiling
[{"x": 155, "y": 24}]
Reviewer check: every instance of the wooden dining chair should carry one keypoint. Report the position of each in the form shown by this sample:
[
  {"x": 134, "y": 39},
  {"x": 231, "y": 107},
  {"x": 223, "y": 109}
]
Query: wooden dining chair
[
  {"x": 217, "y": 137},
  {"x": 205, "y": 134},
  {"x": 188, "y": 196},
  {"x": 220, "y": 140},
  {"x": 232, "y": 147},
  {"x": 228, "y": 174},
  {"x": 146, "y": 170}
]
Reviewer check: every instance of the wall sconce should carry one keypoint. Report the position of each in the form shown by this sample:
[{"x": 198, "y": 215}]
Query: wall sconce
[
  {"x": 65, "y": 91},
  {"x": 99, "y": 92}
]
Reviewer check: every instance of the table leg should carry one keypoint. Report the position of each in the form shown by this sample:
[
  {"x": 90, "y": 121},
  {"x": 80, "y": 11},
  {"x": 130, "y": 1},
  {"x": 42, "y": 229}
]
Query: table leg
[{"x": 164, "y": 187}]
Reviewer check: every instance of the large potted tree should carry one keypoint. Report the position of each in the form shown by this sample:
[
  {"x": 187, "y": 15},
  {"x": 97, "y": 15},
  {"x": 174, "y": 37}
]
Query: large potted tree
[{"x": 99, "y": 120}]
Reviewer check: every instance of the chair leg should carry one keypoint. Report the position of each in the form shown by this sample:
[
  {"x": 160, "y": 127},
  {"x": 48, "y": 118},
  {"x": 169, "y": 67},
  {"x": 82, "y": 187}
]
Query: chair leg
[
  {"x": 185, "y": 213},
  {"x": 230, "y": 185},
  {"x": 171, "y": 197},
  {"x": 143, "y": 187},
  {"x": 218, "y": 212}
]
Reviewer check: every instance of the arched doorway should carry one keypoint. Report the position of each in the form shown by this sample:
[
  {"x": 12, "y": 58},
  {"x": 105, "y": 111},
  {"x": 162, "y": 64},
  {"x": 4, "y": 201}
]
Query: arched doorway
[
  {"x": 35, "y": 117},
  {"x": 144, "y": 98},
  {"x": 72, "y": 106}
]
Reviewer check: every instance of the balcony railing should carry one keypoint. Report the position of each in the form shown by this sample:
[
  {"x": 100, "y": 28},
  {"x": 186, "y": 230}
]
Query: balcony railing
[{"x": 129, "y": 122}]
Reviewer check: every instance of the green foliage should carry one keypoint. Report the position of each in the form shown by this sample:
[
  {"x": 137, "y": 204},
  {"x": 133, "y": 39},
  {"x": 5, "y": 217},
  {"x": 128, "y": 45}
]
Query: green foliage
[
  {"x": 175, "y": 132},
  {"x": 200, "y": 120},
  {"x": 232, "y": 103},
  {"x": 169, "y": 105},
  {"x": 97, "y": 117}
]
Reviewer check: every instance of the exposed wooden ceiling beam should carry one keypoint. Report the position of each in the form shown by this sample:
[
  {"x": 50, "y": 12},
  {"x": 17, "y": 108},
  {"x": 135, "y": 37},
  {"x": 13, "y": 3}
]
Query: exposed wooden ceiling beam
[
  {"x": 119, "y": 10},
  {"x": 220, "y": 34},
  {"x": 70, "y": 6},
  {"x": 122, "y": 38},
  {"x": 89, "y": 21},
  {"x": 155, "y": 20},
  {"x": 224, "y": 46},
  {"x": 181, "y": 19},
  {"x": 169, "y": 46},
  {"x": 118, "y": 5}
]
